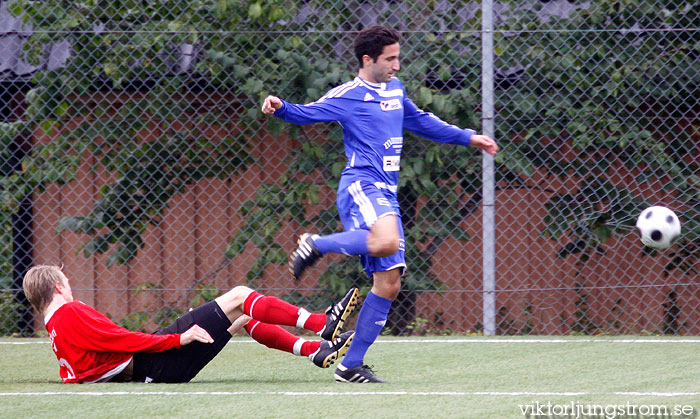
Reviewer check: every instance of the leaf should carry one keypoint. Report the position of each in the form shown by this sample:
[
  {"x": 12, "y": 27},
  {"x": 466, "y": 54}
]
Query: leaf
[
  {"x": 439, "y": 102},
  {"x": 255, "y": 10},
  {"x": 425, "y": 96},
  {"x": 67, "y": 223}
]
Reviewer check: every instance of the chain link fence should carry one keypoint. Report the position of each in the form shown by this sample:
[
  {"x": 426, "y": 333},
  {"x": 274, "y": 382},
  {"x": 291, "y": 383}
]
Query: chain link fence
[{"x": 135, "y": 154}]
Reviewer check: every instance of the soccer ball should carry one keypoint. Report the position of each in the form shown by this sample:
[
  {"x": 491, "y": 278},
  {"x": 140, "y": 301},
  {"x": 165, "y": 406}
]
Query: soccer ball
[{"x": 658, "y": 226}]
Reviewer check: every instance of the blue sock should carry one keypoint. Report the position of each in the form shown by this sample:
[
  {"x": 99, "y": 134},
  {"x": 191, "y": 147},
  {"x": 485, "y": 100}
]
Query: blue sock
[
  {"x": 353, "y": 242},
  {"x": 370, "y": 323}
]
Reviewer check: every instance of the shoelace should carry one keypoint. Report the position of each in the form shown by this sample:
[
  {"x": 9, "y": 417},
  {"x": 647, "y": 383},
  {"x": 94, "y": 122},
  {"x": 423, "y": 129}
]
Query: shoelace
[{"x": 371, "y": 369}]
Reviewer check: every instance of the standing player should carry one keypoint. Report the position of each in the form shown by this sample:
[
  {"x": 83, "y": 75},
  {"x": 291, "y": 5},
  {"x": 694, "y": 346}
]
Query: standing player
[
  {"x": 373, "y": 110},
  {"x": 91, "y": 348}
]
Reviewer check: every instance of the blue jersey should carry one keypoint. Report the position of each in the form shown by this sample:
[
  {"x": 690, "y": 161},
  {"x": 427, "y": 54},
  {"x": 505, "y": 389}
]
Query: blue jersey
[{"x": 373, "y": 117}]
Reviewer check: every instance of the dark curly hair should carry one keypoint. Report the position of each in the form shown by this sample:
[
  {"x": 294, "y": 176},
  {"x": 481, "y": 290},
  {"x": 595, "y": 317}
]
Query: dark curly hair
[{"x": 372, "y": 40}]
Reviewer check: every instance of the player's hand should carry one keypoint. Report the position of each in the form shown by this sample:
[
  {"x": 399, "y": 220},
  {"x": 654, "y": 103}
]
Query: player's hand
[
  {"x": 195, "y": 333},
  {"x": 271, "y": 104},
  {"x": 485, "y": 143}
]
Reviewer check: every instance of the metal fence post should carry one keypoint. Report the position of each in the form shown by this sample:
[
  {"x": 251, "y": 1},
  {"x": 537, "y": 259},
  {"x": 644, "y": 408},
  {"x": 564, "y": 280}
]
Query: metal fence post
[{"x": 489, "y": 304}]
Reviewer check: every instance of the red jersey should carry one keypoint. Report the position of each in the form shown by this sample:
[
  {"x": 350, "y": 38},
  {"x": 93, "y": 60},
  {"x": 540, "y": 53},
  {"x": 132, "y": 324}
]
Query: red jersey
[{"x": 90, "y": 347}]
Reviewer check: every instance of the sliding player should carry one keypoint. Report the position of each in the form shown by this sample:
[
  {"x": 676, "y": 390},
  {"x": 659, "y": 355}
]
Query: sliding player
[{"x": 91, "y": 348}]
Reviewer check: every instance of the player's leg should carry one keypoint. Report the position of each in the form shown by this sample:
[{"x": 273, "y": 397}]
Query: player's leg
[
  {"x": 370, "y": 322},
  {"x": 369, "y": 218},
  {"x": 321, "y": 353},
  {"x": 363, "y": 209},
  {"x": 242, "y": 300},
  {"x": 384, "y": 239},
  {"x": 386, "y": 273},
  {"x": 239, "y": 324},
  {"x": 381, "y": 241},
  {"x": 182, "y": 364}
]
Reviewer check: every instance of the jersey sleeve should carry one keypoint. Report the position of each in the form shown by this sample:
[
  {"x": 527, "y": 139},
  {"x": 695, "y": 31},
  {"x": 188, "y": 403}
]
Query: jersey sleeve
[
  {"x": 91, "y": 330},
  {"x": 431, "y": 127},
  {"x": 323, "y": 110}
]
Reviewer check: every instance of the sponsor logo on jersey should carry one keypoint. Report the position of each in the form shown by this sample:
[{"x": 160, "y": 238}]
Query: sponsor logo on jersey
[
  {"x": 391, "y": 163},
  {"x": 368, "y": 97},
  {"x": 396, "y": 142},
  {"x": 390, "y": 105}
]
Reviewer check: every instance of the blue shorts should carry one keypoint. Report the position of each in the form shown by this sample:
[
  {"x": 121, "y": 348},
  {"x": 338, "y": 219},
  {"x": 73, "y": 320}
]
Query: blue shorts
[{"x": 360, "y": 205}]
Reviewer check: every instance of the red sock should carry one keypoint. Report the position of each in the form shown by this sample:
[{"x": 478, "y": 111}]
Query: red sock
[
  {"x": 275, "y": 311},
  {"x": 275, "y": 337},
  {"x": 315, "y": 322}
]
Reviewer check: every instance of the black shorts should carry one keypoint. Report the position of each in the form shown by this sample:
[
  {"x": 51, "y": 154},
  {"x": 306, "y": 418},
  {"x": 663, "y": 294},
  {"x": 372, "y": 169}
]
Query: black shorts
[{"x": 180, "y": 365}]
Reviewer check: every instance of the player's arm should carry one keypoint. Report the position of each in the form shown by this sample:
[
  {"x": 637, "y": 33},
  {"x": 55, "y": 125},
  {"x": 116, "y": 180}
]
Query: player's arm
[
  {"x": 433, "y": 128},
  {"x": 91, "y": 330},
  {"x": 323, "y": 110}
]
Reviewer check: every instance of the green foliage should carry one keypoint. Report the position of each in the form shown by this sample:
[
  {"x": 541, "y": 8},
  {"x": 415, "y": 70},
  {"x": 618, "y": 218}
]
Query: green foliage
[
  {"x": 435, "y": 327},
  {"x": 427, "y": 172},
  {"x": 107, "y": 38},
  {"x": 591, "y": 101},
  {"x": 203, "y": 293},
  {"x": 506, "y": 325},
  {"x": 316, "y": 302},
  {"x": 150, "y": 174},
  {"x": 10, "y": 310},
  {"x": 155, "y": 318},
  {"x": 6, "y": 250},
  {"x": 587, "y": 215},
  {"x": 597, "y": 101},
  {"x": 135, "y": 321}
]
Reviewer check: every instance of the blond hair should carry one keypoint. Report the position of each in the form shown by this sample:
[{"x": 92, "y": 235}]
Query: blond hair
[{"x": 40, "y": 284}]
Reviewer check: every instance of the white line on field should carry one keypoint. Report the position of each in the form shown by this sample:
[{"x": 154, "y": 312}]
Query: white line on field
[
  {"x": 480, "y": 340},
  {"x": 25, "y": 343},
  {"x": 604, "y": 340},
  {"x": 340, "y": 393},
  {"x": 635, "y": 393}
]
